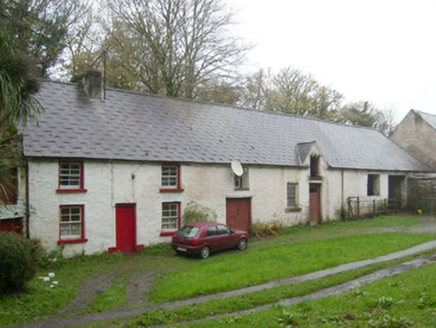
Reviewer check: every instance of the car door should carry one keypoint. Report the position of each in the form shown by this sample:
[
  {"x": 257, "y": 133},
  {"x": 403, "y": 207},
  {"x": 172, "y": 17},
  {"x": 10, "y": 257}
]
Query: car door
[
  {"x": 227, "y": 237},
  {"x": 213, "y": 238}
]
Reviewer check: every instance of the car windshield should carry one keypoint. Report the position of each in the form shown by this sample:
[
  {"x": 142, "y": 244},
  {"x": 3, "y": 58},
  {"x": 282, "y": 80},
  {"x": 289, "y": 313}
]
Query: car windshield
[{"x": 188, "y": 231}]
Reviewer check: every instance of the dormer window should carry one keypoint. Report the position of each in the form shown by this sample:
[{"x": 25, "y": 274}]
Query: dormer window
[{"x": 314, "y": 166}]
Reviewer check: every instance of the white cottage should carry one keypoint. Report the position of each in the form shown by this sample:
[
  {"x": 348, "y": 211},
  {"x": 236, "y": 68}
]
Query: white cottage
[{"x": 117, "y": 173}]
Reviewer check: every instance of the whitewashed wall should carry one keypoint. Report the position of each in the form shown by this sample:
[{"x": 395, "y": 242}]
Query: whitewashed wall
[
  {"x": 111, "y": 183},
  {"x": 120, "y": 182}
]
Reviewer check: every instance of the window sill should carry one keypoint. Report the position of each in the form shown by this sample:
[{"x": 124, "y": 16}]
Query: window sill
[
  {"x": 72, "y": 241},
  {"x": 171, "y": 190},
  {"x": 163, "y": 234},
  {"x": 60, "y": 191},
  {"x": 242, "y": 189},
  {"x": 292, "y": 209}
]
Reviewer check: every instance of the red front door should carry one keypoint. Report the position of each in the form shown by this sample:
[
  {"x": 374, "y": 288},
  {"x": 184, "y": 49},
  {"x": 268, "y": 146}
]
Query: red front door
[
  {"x": 238, "y": 213},
  {"x": 126, "y": 227},
  {"x": 314, "y": 204}
]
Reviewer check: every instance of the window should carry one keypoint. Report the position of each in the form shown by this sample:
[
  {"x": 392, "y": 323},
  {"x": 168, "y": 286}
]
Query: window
[
  {"x": 238, "y": 181},
  {"x": 71, "y": 223},
  {"x": 292, "y": 194},
  {"x": 188, "y": 231},
  {"x": 241, "y": 182},
  {"x": 224, "y": 230},
  {"x": 373, "y": 185},
  {"x": 71, "y": 176},
  {"x": 9, "y": 189},
  {"x": 170, "y": 178},
  {"x": 211, "y": 231},
  {"x": 170, "y": 217},
  {"x": 314, "y": 166}
]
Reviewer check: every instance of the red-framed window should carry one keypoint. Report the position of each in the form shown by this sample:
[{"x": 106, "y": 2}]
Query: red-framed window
[
  {"x": 170, "y": 218},
  {"x": 71, "y": 176},
  {"x": 170, "y": 178},
  {"x": 71, "y": 224},
  {"x": 9, "y": 189}
]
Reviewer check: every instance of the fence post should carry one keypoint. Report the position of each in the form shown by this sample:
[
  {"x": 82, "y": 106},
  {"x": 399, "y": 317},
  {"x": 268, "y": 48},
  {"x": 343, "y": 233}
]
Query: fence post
[
  {"x": 358, "y": 209},
  {"x": 373, "y": 207}
]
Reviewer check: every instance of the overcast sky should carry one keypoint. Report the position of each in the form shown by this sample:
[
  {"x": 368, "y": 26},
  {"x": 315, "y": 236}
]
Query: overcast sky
[{"x": 382, "y": 51}]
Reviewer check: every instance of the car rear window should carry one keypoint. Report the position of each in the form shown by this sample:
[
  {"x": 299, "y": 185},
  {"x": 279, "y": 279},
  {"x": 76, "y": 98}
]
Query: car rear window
[{"x": 188, "y": 231}]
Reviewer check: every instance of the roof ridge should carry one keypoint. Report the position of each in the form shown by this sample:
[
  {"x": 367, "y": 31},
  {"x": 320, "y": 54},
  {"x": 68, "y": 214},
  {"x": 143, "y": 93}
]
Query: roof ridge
[
  {"x": 421, "y": 112},
  {"x": 234, "y": 107}
]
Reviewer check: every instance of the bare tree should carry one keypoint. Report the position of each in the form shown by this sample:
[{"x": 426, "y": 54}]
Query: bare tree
[
  {"x": 292, "y": 92},
  {"x": 387, "y": 121},
  {"x": 257, "y": 90},
  {"x": 82, "y": 42},
  {"x": 360, "y": 113},
  {"x": 296, "y": 90},
  {"x": 171, "y": 47}
]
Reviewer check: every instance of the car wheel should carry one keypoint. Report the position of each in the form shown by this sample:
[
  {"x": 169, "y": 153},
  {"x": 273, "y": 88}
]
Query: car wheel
[
  {"x": 204, "y": 252},
  {"x": 242, "y": 244}
]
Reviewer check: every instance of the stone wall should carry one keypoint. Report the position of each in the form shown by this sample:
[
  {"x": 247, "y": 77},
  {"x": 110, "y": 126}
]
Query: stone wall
[{"x": 422, "y": 192}]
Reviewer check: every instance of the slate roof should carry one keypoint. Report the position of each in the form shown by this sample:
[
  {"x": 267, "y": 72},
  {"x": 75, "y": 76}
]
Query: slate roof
[
  {"x": 429, "y": 118},
  {"x": 143, "y": 127},
  {"x": 303, "y": 150}
]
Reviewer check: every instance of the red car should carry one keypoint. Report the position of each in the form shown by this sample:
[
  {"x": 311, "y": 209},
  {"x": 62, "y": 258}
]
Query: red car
[{"x": 202, "y": 238}]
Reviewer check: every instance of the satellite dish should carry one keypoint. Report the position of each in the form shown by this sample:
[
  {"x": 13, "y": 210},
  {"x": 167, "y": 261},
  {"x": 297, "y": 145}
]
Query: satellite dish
[{"x": 237, "y": 168}]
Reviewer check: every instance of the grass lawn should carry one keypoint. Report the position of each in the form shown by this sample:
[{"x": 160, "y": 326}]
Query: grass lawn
[
  {"x": 266, "y": 259},
  {"x": 249, "y": 300},
  {"x": 404, "y": 300},
  {"x": 271, "y": 263}
]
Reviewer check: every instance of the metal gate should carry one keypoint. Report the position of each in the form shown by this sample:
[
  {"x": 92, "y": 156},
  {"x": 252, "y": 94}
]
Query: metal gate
[{"x": 362, "y": 208}]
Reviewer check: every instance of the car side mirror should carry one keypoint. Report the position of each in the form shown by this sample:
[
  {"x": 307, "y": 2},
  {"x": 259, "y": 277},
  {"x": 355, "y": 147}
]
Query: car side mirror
[{"x": 232, "y": 232}]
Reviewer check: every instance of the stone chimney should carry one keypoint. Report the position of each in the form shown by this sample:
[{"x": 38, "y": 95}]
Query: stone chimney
[{"x": 92, "y": 83}]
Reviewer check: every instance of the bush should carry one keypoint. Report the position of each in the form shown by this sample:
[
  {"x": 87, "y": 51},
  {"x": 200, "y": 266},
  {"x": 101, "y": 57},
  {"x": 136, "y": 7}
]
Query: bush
[
  {"x": 197, "y": 213},
  {"x": 17, "y": 261}
]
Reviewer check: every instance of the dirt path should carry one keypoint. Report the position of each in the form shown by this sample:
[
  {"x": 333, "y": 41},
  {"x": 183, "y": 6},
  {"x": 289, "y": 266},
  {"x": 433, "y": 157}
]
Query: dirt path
[
  {"x": 59, "y": 322},
  {"x": 93, "y": 286},
  {"x": 428, "y": 226}
]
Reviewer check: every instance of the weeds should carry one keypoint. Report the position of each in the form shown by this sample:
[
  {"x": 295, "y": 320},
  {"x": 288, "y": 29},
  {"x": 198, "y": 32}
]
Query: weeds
[
  {"x": 265, "y": 229},
  {"x": 288, "y": 319},
  {"x": 388, "y": 321},
  {"x": 426, "y": 300}
]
